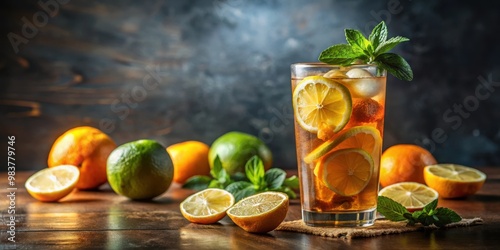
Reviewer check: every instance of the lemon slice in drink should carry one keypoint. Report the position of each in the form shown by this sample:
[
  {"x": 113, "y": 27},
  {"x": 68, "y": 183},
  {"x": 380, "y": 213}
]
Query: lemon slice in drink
[
  {"x": 364, "y": 137},
  {"x": 345, "y": 171},
  {"x": 412, "y": 195},
  {"x": 321, "y": 103},
  {"x": 260, "y": 213},
  {"x": 52, "y": 184},
  {"x": 207, "y": 206},
  {"x": 453, "y": 181}
]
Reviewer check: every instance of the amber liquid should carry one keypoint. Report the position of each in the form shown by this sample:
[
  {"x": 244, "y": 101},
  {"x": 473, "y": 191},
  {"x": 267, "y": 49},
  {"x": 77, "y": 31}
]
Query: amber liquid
[{"x": 316, "y": 197}]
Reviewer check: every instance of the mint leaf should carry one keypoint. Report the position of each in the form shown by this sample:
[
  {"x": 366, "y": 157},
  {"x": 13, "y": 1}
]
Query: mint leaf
[
  {"x": 239, "y": 176},
  {"x": 391, "y": 209},
  {"x": 390, "y": 44},
  {"x": 217, "y": 168},
  {"x": 214, "y": 183},
  {"x": 378, "y": 35},
  {"x": 275, "y": 177},
  {"x": 291, "y": 194},
  {"x": 292, "y": 182},
  {"x": 431, "y": 206},
  {"x": 254, "y": 169},
  {"x": 197, "y": 182},
  {"x": 241, "y": 189},
  {"x": 445, "y": 216},
  {"x": 396, "y": 65},
  {"x": 357, "y": 41},
  {"x": 342, "y": 54}
]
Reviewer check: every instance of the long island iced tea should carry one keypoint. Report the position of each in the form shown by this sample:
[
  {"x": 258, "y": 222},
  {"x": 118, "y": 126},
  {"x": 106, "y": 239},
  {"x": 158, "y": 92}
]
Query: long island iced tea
[{"x": 339, "y": 120}]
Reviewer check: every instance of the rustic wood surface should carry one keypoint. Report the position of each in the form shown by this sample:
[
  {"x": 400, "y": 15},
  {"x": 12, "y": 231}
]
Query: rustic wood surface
[{"x": 103, "y": 220}]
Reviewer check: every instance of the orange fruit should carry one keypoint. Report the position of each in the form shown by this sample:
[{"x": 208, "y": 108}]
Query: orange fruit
[
  {"x": 346, "y": 172},
  {"x": 412, "y": 195},
  {"x": 260, "y": 213},
  {"x": 404, "y": 163},
  {"x": 454, "y": 181},
  {"x": 88, "y": 149},
  {"x": 52, "y": 184},
  {"x": 207, "y": 206},
  {"x": 190, "y": 158}
]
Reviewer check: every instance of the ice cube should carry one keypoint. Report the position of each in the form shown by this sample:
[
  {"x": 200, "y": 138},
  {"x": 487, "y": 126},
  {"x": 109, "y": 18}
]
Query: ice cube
[
  {"x": 358, "y": 73},
  {"x": 366, "y": 88},
  {"x": 335, "y": 73}
]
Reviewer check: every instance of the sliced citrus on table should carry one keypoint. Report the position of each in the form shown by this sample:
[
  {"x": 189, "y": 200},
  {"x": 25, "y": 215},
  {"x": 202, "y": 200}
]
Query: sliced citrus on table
[
  {"x": 412, "y": 195},
  {"x": 260, "y": 213},
  {"x": 321, "y": 105},
  {"x": 207, "y": 206},
  {"x": 453, "y": 181},
  {"x": 345, "y": 171},
  {"x": 364, "y": 137},
  {"x": 52, "y": 184}
]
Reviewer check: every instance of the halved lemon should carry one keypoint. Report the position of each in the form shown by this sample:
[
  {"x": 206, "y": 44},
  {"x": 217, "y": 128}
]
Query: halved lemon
[
  {"x": 207, "y": 206},
  {"x": 52, "y": 184},
  {"x": 412, "y": 195},
  {"x": 321, "y": 104},
  {"x": 453, "y": 181},
  {"x": 364, "y": 137},
  {"x": 345, "y": 171},
  {"x": 260, "y": 213}
]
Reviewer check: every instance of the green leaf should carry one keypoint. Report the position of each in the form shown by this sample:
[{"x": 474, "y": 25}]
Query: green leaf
[
  {"x": 396, "y": 65},
  {"x": 378, "y": 35},
  {"x": 431, "y": 206},
  {"x": 275, "y": 177},
  {"x": 446, "y": 216},
  {"x": 254, "y": 169},
  {"x": 291, "y": 194},
  {"x": 217, "y": 168},
  {"x": 357, "y": 41},
  {"x": 197, "y": 182},
  {"x": 342, "y": 54},
  {"x": 390, "y": 44},
  {"x": 214, "y": 183},
  {"x": 241, "y": 189},
  {"x": 239, "y": 176},
  {"x": 291, "y": 182},
  {"x": 391, "y": 209}
]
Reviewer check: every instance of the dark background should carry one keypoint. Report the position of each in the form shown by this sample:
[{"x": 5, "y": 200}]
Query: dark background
[{"x": 193, "y": 70}]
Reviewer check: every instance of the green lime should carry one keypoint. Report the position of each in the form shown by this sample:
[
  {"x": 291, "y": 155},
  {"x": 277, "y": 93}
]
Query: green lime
[
  {"x": 140, "y": 169},
  {"x": 235, "y": 149}
]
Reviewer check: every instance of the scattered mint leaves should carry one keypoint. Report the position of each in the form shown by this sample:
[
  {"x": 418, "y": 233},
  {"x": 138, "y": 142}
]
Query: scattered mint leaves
[
  {"x": 429, "y": 215},
  {"x": 372, "y": 50},
  {"x": 255, "y": 180}
]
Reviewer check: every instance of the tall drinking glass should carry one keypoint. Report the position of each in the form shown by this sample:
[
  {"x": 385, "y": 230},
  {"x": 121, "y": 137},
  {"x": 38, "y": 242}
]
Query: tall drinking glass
[{"x": 339, "y": 121}]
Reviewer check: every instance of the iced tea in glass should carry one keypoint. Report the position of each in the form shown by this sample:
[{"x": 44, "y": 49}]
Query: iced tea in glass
[{"x": 339, "y": 120}]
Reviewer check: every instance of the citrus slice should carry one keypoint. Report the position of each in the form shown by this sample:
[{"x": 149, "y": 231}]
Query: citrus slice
[
  {"x": 412, "y": 195},
  {"x": 52, "y": 184},
  {"x": 453, "y": 181},
  {"x": 260, "y": 213},
  {"x": 345, "y": 171},
  {"x": 321, "y": 104},
  {"x": 207, "y": 206},
  {"x": 364, "y": 137}
]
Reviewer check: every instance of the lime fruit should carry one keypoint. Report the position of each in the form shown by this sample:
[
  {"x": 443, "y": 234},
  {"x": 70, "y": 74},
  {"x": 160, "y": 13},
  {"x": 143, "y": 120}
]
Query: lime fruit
[
  {"x": 235, "y": 149},
  {"x": 140, "y": 170}
]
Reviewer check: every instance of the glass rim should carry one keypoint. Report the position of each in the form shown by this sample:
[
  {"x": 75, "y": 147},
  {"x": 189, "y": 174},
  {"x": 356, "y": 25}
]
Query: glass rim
[{"x": 322, "y": 64}]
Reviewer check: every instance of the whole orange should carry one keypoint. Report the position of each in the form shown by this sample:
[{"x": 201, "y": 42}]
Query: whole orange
[
  {"x": 87, "y": 148},
  {"x": 404, "y": 163},
  {"x": 190, "y": 158}
]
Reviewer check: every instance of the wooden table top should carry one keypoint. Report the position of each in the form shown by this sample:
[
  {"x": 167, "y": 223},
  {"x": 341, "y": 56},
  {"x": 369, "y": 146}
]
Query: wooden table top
[{"x": 103, "y": 220}]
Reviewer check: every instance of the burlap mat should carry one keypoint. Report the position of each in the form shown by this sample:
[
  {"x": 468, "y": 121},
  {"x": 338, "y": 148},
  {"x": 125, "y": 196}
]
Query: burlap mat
[{"x": 381, "y": 227}]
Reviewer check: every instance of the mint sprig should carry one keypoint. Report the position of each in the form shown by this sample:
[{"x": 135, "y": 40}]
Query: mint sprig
[
  {"x": 371, "y": 50},
  {"x": 429, "y": 215},
  {"x": 255, "y": 180}
]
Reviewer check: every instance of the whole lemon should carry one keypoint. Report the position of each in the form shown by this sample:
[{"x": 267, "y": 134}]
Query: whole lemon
[
  {"x": 88, "y": 149},
  {"x": 236, "y": 148},
  {"x": 140, "y": 170},
  {"x": 190, "y": 158}
]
